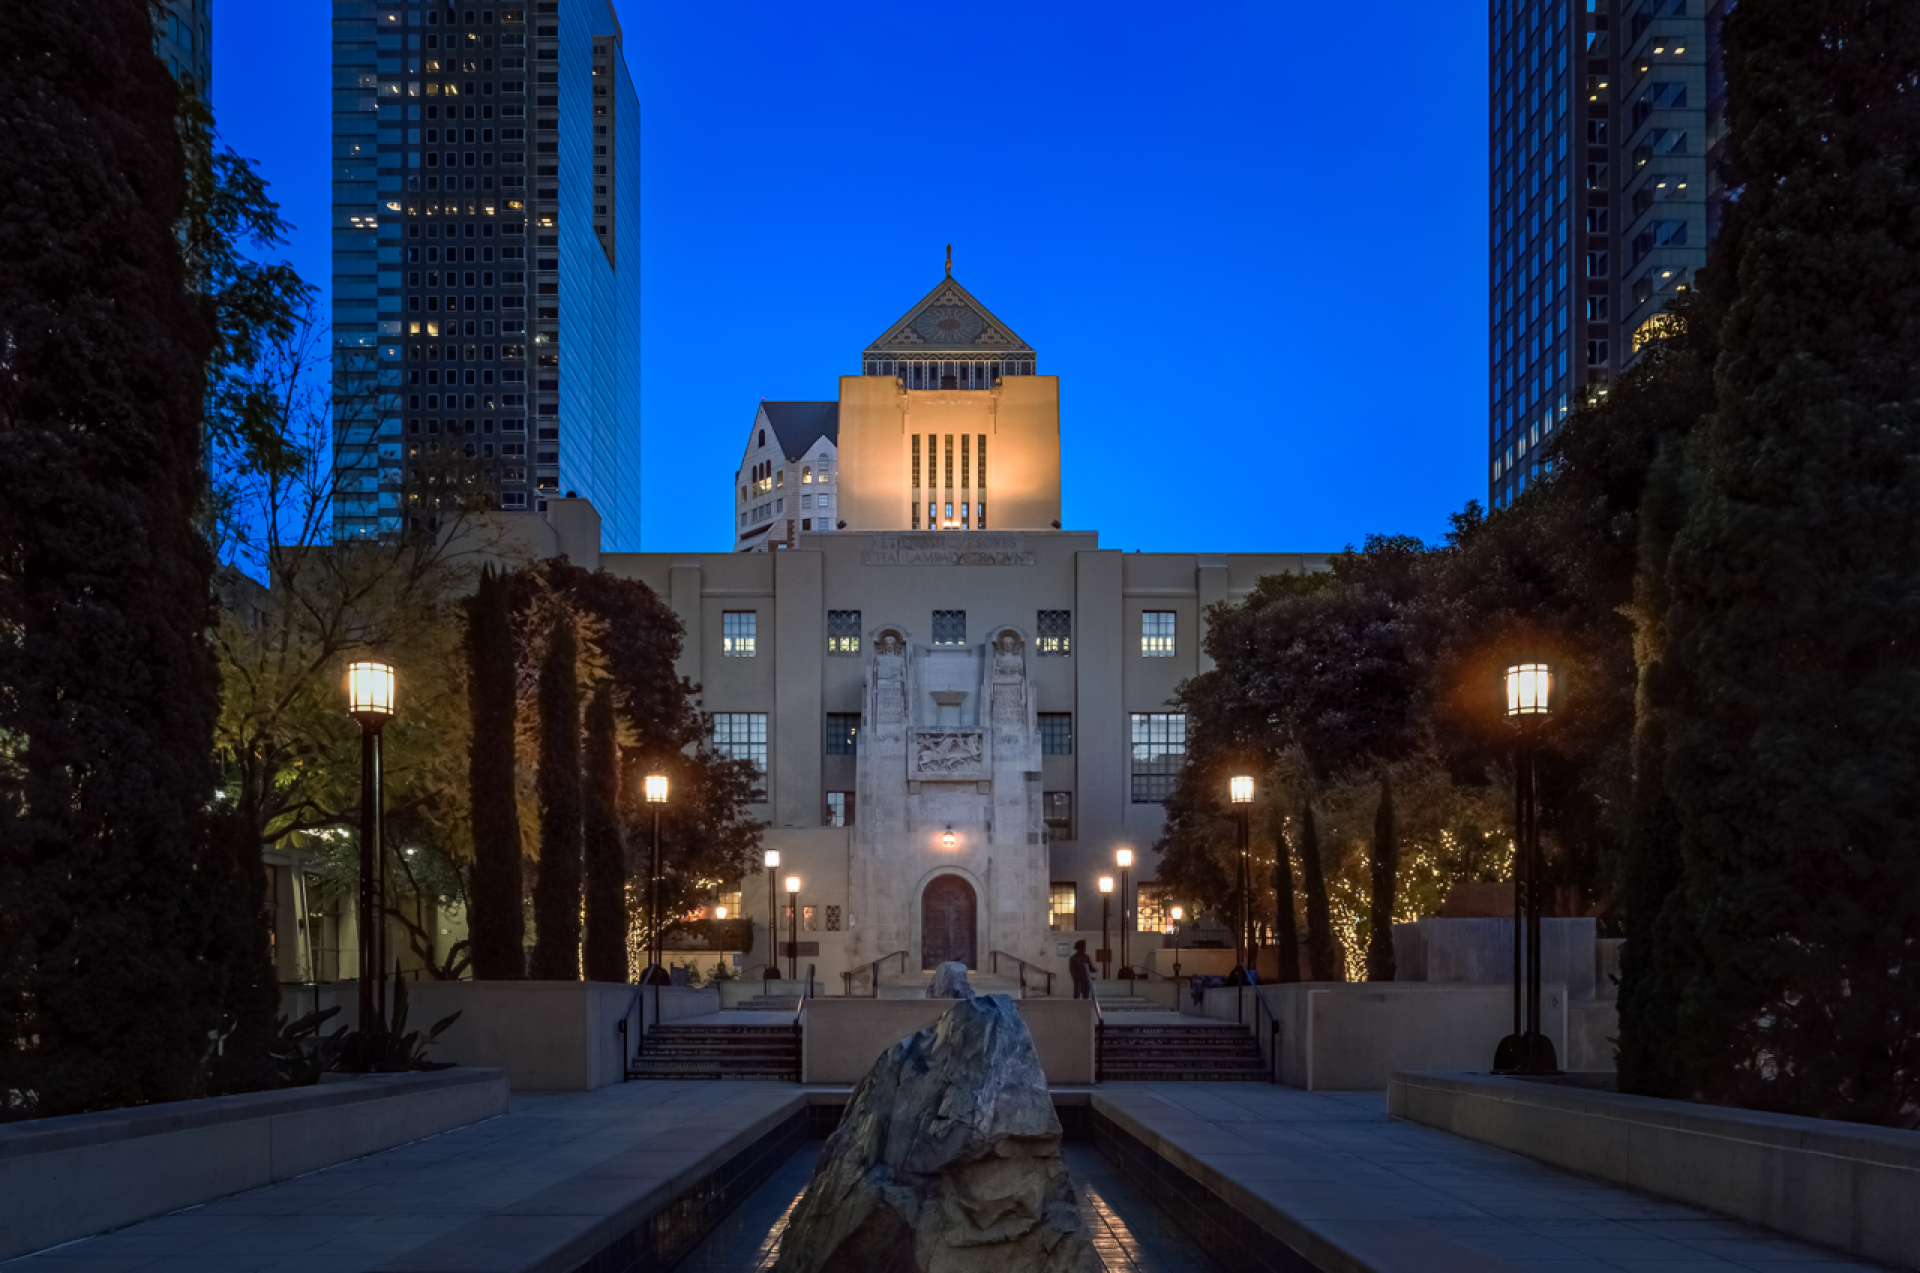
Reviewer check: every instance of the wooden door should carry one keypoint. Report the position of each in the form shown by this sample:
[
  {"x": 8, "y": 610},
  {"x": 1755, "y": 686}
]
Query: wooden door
[{"x": 947, "y": 911}]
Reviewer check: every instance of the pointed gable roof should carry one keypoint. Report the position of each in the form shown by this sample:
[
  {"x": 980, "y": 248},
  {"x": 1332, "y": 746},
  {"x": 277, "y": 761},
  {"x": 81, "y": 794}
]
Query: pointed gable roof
[
  {"x": 948, "y": 320},
  {"x": 798, "y": 425}
]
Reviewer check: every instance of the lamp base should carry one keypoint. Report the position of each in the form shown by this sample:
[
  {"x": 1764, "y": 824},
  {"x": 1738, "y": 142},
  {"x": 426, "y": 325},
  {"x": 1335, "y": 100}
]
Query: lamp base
[
  {"x": 655, "y": 975},
  {"x": 1526, "y": 1054}
]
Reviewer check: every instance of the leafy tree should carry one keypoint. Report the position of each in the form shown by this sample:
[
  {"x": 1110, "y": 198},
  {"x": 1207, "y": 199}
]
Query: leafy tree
[
  {"x": 1322, "y": 956},
  {"x": 556, "y": 891},
  {"x": 1792, "y": 729},
  {"x": 1286, "y": 899},
  {"x": 606, "y": 858},
  {"x": 1385, "y": 866},
  {"x": 496, "y": 919},
  {"x": 109, "y": 975}
]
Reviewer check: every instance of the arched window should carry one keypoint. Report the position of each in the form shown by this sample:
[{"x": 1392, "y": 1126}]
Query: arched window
[
  {"x": 806, "y": 475},
  {"x": 763, "y": 437}
]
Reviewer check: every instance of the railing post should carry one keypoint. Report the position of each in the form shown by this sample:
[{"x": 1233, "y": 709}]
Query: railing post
[{"x": 1273, "y": 1050}]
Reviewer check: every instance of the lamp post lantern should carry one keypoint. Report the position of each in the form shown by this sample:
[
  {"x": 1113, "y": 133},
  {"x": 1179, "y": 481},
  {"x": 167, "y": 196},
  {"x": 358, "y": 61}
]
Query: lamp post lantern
[
  {"x": 370, "y": 701},
  {"x": 656, "y": 792},
  {"x": 1124, "y": 860},
  {"x": 773, "y": 916},
  {"x": 1531, "y": 696},
  {"x": 1241, "y": 789},
  {"x": 1178, "y": 915},
  {"x": 1106, "y": 912},
  {"x": 793, "y": 928}
]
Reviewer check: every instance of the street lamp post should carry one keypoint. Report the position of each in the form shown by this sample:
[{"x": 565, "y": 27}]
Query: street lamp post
[
  {"x": 370, "y": 700},
  {"x": 1241, "y": 788},
  {"x": 656, "y": 789},
  {"x": 1178, "y": 914},
  {"x": 1124, "y": 860},
  {"x": 773, "y": 916},
  {"x": 1106, "y": 913},
  {"x": 1531, "y": 697},
  {"x": 793, "y": 928}
]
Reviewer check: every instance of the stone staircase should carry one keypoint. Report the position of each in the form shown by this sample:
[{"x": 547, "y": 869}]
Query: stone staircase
[
  {"x": 718, "y": 1052},
  {"x": 913, "y": 985},
  {"x": 1179, "y": 1054},
  {"x": 1130, "y": 1003},
  {"x": 766, "y": 1003}
]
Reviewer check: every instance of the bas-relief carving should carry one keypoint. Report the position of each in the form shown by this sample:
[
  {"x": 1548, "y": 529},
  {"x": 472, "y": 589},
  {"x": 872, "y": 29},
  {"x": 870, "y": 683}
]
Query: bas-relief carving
[
  {"x": 950, "y": 753},
  {"x": 949, "y": 548}
]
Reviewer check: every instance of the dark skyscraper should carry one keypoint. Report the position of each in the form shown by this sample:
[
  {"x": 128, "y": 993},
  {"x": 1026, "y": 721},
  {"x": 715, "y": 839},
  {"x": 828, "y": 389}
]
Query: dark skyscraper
[{"x": 1599, "y": 141}]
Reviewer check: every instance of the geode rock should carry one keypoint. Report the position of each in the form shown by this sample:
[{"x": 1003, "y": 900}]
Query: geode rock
[
  {"x": 950, "y": 981},
  {"x": 947, "y": 1161}
]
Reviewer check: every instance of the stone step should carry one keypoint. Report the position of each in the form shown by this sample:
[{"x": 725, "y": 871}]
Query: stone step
[{"x": 704, "y": 1052}]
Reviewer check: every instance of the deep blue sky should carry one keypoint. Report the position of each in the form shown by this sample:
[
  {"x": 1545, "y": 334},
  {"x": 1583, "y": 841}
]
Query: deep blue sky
[{"x": 1249, "y": 237}]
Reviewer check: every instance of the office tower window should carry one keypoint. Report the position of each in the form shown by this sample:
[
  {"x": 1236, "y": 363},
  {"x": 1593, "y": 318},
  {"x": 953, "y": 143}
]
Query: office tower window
[
  {"x": 1056, "y": 733},
  {"x": 843, "y": 632},
  {"x": 1060, "y": 905},
  {"x": 1159, "y": 749},
  {"x": 742, "y": 736},
  {"x": 966, "y": 461},
  {"x": 839, "y": 809},
  {"x": 948, "y": 484},
  {"x": 1156, "y": 633},
  {"x": 1055, "y": 629},
  {"x": 738, "y": 635},
  {"x": 1056, "y": 807},
  {"x": 949, "y": 627},
  {"x": 843, "y": 732},
  {"x": 916, "y": 461},
  {"x": 982, "y": 453}
]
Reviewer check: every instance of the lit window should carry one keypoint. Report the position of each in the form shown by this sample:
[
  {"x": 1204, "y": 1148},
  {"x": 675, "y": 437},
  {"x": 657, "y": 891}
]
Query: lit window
[
  {"x": 843, "y": 732},
  {"x": 1159, "y": 749},
  {"x": 1060, "y": 898},
  {"x": 1057, "y": 809},
  {"x": 1055, "y": 629},
  {"x": 806, "y": 475},
  {"x": 843, "y": 632},
  {"x": 1156, "y": 633},
  {"x": 949, "y": 627},
  {"x": 839, "y": 811},
  {"x": 1056, "y": 733},
  {"x": 1150, "y": 909},
  {"x": 738, "y": 633}
]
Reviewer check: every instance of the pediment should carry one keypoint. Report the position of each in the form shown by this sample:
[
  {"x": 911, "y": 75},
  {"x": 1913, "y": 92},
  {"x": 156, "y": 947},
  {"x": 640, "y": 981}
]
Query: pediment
[{"x": 948, "y": 320}]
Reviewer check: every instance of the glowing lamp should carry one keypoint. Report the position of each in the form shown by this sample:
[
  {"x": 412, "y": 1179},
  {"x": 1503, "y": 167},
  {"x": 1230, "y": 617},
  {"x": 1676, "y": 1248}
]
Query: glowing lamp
[
  {"x": 1124, "y": 858},
  {"x": 656, "y": 788},
  {"x": 773, "y": 858},
  {"x": 1178, "y": 913},
  {"x": 1242, "y": 790},
  {"x": 949, "y": 839},
  {"x": 1530, "y": 690},
  {"x": 1106, "y": 884},
  {"x": 719, "y": 912},
  {"x": 370, "y": 690},
  {"x": 793, "y": 884}
]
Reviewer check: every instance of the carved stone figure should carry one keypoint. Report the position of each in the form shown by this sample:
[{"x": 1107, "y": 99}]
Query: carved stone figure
[
  {"x": 1009, "y": 702},
  {"x": 890, "y": 676}
]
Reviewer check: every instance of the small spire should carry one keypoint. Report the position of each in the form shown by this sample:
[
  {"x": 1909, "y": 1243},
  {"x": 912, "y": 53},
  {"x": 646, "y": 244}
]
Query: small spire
[{"x": 949, "y": 260}]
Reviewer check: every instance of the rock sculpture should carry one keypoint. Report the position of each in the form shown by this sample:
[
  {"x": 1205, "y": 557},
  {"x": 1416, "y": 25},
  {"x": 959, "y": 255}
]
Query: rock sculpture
[
  {"x": 950, "y": 982},
  {"x": 947, "y": 1161}
]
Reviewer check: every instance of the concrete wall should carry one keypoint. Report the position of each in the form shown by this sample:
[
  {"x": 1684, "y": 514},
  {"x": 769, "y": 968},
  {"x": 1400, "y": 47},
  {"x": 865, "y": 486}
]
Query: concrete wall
[
  {"x": 1480, "y": 952},
  {"x": 67, "y": 1178},
  {"x": 1841, "y": 1184},
  {"x": 1341, "y": 1037},
  {"x": 547, "y": 1035},
  {"x": 842, "y": 1038}
]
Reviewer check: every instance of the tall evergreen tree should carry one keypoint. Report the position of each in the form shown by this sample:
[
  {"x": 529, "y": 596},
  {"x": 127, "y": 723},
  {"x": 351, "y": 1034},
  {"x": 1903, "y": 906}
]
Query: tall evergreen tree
[
  {"x": 1323, "y": 952},
  {"x": 606, "y": 853},
  {"x": 1794, "y": 741},
  {"x": 496, "y": 921},
  {"x": 109, "y": 690},
  {"x": 1286, "y": 927},
  {"x": 1384, "y": 862},
  {"x": 556, "y": 891}
]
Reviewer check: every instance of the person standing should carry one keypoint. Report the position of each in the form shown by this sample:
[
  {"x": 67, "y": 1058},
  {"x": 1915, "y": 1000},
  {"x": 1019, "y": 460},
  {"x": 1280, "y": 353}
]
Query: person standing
[{"x": 1081, "y": 967}]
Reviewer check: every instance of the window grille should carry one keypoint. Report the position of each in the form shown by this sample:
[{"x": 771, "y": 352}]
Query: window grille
[
  {"x": 843, "y": 632},
  {"x": 1057, "y": 808},
  {"x": 949, "y": 627},
  {"x": 833, "y": 919},
  {"x": 1055, "y": 629},
  {"x": 839, "y": 811},
  {"x": 843, "y": 729},
  {"x": 737, "y": 633},
  {"x": 1056, "y": 733},
  {"x": 1156, "y": 633},
  {"x": 1060, "y": 905},
  {"x": 1159, "y": 749},
  {"x": 742, "y": 736}
]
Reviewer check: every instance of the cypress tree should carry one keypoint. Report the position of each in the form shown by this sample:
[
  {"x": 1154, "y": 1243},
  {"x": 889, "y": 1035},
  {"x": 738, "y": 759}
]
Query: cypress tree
[
  {"x": 1287, "y": 925},
  {"x": 110, "y": 689},
  {"x": 496, "y": 923},
  {"x": 606, "y": 854},
  {"x": 1385, "y": 863},
  {"x": 1323, "y": 956},
  {"x": 556, "y": 891},
  {"x": 1793, "y": 743}
]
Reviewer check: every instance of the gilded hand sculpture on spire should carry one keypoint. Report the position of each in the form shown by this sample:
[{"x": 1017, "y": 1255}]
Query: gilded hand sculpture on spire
[{"x": 949, "y": 260}]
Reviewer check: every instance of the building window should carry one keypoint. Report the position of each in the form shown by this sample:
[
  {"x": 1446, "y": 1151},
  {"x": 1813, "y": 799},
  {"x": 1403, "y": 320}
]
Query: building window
[
  {"x": 843, "y": 632},
  {"x": 737, "y": 633},
  {"x": 810, "y": 918},
  {"x": 1159, "y": 749},
  {"x": 833, "y": 919},
  {"x": 1057, "y": 808},
  {"x": 1060, "y": 899},
  {"x": 843, "y": 729},
  {"x": 1150, "y": 909},
  {"x": 742, "y": 736},
  {"x": 1055, "y": 630},
  {"x": 1056, "y": 733},
  {"x": 949, "y": 627},
  {"x": 1156, "y": 633},
  {"x": 839, "y": 809}
]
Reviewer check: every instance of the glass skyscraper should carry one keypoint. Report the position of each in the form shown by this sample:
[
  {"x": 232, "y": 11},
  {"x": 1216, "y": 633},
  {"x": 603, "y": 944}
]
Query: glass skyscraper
[
  {"x": 1600, "y": 133},
  {"x": 183, "y": 39},
  {"x": 486, "y": 261}
]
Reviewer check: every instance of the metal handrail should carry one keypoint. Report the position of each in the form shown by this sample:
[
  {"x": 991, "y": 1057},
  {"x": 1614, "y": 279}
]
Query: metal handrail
[
  {"x": 1024, "y": 965},
  {"x": 640, "y": 1037},
  {"x": 1099, "y": 1042},
  {"x": 1273, "y": 1032},
  {"x": 872, "y": 969},
  {"x": 799, "y": 1044}
]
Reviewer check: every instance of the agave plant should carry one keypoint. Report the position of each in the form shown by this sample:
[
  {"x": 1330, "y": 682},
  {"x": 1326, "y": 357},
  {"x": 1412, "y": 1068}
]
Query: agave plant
[{"x": 301, "y": 1053}]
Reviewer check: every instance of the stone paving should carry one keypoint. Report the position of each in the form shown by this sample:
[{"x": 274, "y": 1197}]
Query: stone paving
[{"x": 1351, "y": 1189}]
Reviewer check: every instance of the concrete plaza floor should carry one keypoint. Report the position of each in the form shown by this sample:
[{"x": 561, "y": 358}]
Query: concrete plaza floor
[{"x": 1328, "y": 1173}]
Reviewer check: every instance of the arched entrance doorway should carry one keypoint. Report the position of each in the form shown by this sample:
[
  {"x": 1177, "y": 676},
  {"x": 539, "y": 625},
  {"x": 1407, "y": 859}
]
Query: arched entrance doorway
[{"x": 947, "y": 922}]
